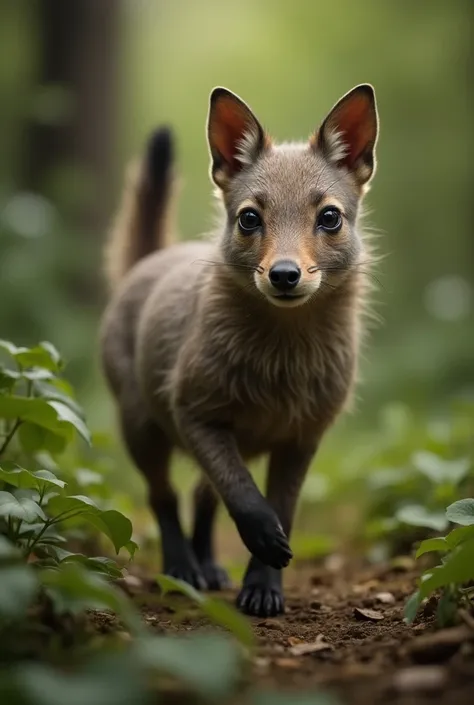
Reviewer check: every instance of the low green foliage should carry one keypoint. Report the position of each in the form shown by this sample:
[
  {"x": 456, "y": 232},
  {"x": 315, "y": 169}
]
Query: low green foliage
[
  {"x": 456, "y": 569},
  {"x": 48, "y": 652},
  {"x": 411, "y": 470}
]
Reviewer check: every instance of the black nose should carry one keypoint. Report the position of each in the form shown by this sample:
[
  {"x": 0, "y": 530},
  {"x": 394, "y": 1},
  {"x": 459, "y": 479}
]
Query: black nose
[{"x": 285, "y": 275}]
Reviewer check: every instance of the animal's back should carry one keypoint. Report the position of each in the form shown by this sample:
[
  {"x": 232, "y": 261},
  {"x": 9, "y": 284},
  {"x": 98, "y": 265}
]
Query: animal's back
[{"x": 168, "y": 279}]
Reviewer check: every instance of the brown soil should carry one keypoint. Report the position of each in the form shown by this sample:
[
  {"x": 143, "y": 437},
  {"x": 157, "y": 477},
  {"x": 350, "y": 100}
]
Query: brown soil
[{"x": 366, "y": 657}]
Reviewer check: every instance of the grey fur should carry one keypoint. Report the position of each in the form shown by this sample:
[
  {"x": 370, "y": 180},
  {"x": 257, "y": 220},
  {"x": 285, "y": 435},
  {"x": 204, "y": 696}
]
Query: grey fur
[{"x": 199, "y": 357}]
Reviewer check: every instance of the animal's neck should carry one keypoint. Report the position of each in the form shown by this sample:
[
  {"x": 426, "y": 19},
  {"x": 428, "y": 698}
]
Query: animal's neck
[{"x": 230, "y": 297}]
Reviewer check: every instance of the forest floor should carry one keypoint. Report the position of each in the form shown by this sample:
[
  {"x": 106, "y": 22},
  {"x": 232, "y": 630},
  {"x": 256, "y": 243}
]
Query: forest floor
[{"x": 343, "y": 632}]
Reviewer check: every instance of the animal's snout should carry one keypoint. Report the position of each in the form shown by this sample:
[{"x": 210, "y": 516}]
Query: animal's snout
[{"x": 284, "y": 275}]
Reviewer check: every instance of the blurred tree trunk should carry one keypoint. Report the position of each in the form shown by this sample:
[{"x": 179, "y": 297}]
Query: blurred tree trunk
[{"x": 78, "y": 52}]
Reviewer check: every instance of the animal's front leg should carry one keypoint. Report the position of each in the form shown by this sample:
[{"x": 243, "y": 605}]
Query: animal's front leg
[
  {"x": 257, "y": 522},
  {"x": 262, "y": 592}
]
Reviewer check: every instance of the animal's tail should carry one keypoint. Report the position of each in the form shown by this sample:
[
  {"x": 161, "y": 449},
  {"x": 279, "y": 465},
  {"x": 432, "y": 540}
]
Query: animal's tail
[{"x": 142, "y": 223}]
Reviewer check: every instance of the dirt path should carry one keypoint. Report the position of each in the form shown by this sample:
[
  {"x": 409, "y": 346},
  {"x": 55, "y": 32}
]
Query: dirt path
[{"x": 343, "y": 631}]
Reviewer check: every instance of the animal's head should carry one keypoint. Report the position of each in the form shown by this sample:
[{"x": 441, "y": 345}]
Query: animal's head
[{"x": 292, "y": 208}]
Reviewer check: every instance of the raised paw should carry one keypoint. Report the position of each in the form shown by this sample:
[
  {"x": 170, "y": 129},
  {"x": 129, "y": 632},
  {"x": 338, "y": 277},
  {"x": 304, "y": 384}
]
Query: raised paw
[
  {"x": 264, "y": 537},
  {"x": 216, "y": 577},
  {"x": 261, "y": 600}
]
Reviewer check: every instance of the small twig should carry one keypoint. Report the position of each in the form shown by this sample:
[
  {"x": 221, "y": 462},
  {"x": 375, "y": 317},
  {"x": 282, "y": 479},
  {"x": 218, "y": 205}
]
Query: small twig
[{"x": 9, "y": 436}]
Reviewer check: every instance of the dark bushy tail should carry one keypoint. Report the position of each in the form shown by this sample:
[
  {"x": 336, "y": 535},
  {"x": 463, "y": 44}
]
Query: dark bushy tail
[{"x": 142, "y": 224}]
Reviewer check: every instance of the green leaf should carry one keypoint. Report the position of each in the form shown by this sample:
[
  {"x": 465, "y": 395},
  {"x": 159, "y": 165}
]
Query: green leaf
[
  {"x": 8, "y": 378},
  {"x": 74, "y": 502},
  {"x": 36, "y": 374},
  {"x": 50, "y": 535},
  {"x": 411, "y": 607},
  {"x": 66, "y": 414},
  {"x": 25, "y": 479},
  {"x": 131, "y": 547},
  {"x": 100, "y": 564},
  {"x": 79, "y": 504},
  {"x": 52, "y": 415},
  {"x": 439, "y": 470},
  {"x": 447, "y": 610},
  {"x": 58, "y": 390},
  {"x": 209, "y": 665},
  {"x": 458, "y": 568},
  {"x": 461, "y": 512},
  {"x": 438, "y": 544},
  {"x": 219, "y": 612},
  {"x": 18, "y": 585},
  {"x": 73, "y": 588},
  {"x": 43, "y": 355},
  {"x": 22, "y": 508},
  {"x": 417, "y": 515},
  {"x": 34, "y": 438},
  {"x": 459, "y": 535},
  {"x": 110, "y": 522},
  {"x": 114, "y": 525},
  {"x": 9, "y": 347}
]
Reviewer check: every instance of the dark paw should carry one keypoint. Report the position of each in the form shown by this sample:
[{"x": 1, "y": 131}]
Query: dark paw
[
  {"x": 261, "y": 600},
  {"x": 216, "y": 577},
  {"x": 263, "y": 535},
  {"x": 188, "y": 573}
]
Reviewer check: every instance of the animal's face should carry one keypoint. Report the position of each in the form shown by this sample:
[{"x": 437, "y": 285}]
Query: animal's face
[{"x": 292, "y": 208}]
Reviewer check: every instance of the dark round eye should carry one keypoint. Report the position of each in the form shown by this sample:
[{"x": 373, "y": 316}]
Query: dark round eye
[
  {"x": 249, "y": 221},
  {"x": 330, "y": 219}
]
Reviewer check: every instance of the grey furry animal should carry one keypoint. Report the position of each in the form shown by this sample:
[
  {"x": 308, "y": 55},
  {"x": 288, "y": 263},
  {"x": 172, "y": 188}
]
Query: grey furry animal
[{"x": 247, "y": 343}]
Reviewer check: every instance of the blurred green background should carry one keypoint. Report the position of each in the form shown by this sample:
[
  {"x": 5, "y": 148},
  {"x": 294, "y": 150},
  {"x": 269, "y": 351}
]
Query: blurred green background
[{"x": 82, "y": 82}]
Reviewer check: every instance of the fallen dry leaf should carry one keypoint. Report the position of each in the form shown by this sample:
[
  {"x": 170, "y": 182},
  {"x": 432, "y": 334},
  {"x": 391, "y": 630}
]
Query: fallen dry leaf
[
  {"x": 385, "y": 597},
  {"x": 367, "y": 615},
  {"x": 294, "y": 640},
  {"x": 304, "y": 648}
]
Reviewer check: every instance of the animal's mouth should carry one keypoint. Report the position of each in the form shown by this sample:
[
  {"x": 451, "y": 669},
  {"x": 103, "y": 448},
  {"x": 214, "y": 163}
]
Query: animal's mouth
[
  {"x": 287, "y": 295},
  {"x": 287, "y": 300}
]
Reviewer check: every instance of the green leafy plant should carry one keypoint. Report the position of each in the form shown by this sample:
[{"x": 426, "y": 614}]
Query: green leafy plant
[
  {"x": 47, "y": 591},
  {"x": 414, "y": 469},
  {"x": 456, "y": 570},
  {"x": 38, "y": 412}
]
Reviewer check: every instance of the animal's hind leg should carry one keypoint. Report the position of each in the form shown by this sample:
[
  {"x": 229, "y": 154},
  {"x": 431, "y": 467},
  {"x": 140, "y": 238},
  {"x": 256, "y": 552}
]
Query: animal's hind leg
[
  {"x": 205, "y": 508},
  {"x": 150, "y": 449}
]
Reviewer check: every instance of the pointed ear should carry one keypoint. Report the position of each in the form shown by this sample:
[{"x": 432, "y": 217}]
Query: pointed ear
[
  {"x": 235, "y": 136},
  {"x": 349, "y": 133}
]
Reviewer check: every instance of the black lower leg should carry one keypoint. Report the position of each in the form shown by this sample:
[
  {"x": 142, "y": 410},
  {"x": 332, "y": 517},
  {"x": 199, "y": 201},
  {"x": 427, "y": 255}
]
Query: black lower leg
[
  {"x": 150, "y": 449},
  {"x": 262, "y": 590},
  {"x": 205, "y": 502},
  {"x": 179, "y": 560}
]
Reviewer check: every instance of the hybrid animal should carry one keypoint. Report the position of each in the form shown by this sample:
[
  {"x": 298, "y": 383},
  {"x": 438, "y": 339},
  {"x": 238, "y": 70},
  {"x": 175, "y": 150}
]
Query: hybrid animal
[{"x": 245, "y": 343}]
